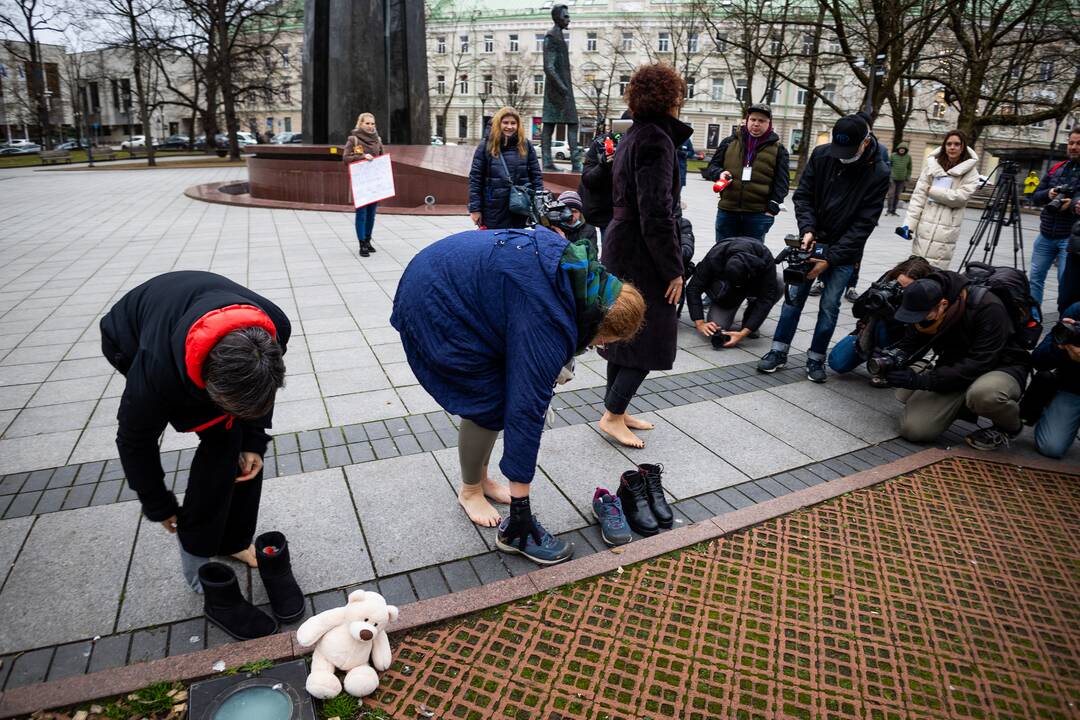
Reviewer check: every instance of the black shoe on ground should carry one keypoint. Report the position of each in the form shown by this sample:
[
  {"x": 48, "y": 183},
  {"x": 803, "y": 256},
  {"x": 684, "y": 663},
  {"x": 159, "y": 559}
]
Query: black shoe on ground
[
  {"x": 815, "y": 371},
  {"x": 655, "y": 490},
  {"x": 774, "y": 360},
  {"x": 991, "y": 438},
  {"x": 634, "y": 496},
  {"x": 365, "y": 249},
  {"x": 370, "y": 246},
  {"x": 275, "y": 569},
  {"x": 521, "y": 533},
  {"x": 226, "y": 607}
]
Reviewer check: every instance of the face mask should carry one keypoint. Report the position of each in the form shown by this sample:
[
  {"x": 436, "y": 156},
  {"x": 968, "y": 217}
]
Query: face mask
[{"x": 576, "y": 224}]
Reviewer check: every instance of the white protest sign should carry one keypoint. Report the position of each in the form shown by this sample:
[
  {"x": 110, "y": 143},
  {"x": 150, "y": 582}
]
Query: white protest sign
[{"x": 371, "y": 180}]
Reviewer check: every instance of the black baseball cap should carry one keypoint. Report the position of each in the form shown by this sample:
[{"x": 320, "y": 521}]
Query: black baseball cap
[
  {"x": 760, "y": 108},
  {"x": 847, "y": 134},
  {"x": 919, "y": 298}
]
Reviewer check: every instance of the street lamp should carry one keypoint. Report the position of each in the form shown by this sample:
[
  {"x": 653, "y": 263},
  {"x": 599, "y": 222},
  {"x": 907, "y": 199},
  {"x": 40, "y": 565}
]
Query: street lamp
[
  {"x": 483, "y": 112},
  {"x": 598, "y": 85}
]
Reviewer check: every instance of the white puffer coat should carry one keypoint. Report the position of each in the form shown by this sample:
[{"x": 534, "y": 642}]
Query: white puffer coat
[{"x": 935, "y": 211}]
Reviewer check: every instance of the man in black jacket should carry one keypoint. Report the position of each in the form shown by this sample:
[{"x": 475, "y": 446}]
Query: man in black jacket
[
  {"x": 1060, "y": 362},
  {"x": 978, "y": 367},
  {"x": 203, "y": 354},
  {"x": 837, "y": 205},
  {"x": 734, "y": 270}
]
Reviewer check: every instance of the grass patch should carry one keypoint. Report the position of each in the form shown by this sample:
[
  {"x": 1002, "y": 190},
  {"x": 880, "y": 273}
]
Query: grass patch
[
  {"x": 344, "y": 706},
  {"x": 77, "y": 156}
]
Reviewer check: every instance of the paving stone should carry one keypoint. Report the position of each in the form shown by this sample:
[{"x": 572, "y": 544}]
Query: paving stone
[
  {"x": 338, "y": 456},
  {"x": 106, "y": 492},
  {"x": 332, "y": 436},
  {"x": 401, "y": 537},
  {"x": 288, "y": 464},
  {"x": 5, "y": 501},
  {"x": 313, "y": 460},
  {"x": 590, "y": 534},
  {"x": 429, "y": 441},
  {"x": 11, "y": 484},
  {"x": 328, "y": 600},
  {"x": 805, "y": 476},
  {"x": 29, "y": 668},
  {"x": 742, "y": 444},
  {"x": 489, "y": 567},
  {"x": 773, "y": 487},
  {"x": 518, "y": 564},
  {"x": 821, "y": 471},
  {"x": 755, "y": 492},
  {"x": 79, "y": 496},
  {"x": 150, "y": 644},
  {"x": 110, "y": 651},
  {"x": 269, "y": 469},
  {"x": 63, "y": 477},
  {"x": 113, "y": 470},
  {"x": 361, "y": 452},
  {"x": 37, "y": 480},
  {"x": 354, "y": 434},
  {"x": 449, "y": 437},
  {"x": 310, "y": 440},
  {"x": 187, "y": 637},
  {"x": 733, "y": 496},
  {"x": 808, "y": 434},
  {"x": 286, "y": 444},
  {"x": 170, "y": 460},
  {"x": 186, "y": 456},
  {"x": 460, "y": 575},
  {"x": 156, "y": 592},
  {"x": 714, "y": 503},
  {"x": 849, "y": 415},
  {"x": 428, "y": 583},
  {"x": 51, "y": 500},
  {"x": 397, "y": 590},
  {"x": 694, "y": 510},
  {"x": 407, "y": 445},
  {"x": 70, "y": 660},
  {"x": 23, "y": 505},
  {"x": 858, "y": 462},
  {"x": 12, "y": 535},
  {"x": 790, "y": 482},
  {"x": 384, "y": 448}
]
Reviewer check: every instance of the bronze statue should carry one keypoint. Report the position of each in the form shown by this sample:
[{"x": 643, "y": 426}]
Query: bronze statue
[{"x": 559, "y": 106}]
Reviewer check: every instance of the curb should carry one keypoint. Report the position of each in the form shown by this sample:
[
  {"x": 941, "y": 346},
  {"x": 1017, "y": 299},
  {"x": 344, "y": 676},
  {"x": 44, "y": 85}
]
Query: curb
[{"x": 118, "y": 681}]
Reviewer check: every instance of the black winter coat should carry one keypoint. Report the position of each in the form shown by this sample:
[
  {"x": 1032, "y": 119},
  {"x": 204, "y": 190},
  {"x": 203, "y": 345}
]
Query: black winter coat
[
  {"x": 641, "y": 244},
  {"x": 489, "y": 187},
  {"x": 840, "y": 203},
  {"x": 709, "y": 278},
  {"x": 1048, "y": 356},
  {"x": 968, "y": 346},
  {"x": 595, "y": 185},
  {"x": 146, "y": 333}
]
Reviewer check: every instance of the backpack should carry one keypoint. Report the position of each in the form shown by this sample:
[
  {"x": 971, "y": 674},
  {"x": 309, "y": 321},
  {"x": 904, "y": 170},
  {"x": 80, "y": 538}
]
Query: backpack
[{"x": 1012, "y": 288}]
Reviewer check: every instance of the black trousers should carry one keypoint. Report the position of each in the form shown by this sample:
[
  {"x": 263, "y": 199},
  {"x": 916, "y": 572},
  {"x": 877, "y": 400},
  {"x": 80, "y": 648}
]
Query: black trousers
[{"x": 622, "y": 384}]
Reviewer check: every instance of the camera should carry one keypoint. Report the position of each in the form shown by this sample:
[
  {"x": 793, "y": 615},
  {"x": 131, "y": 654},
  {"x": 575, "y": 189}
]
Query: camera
[
  {"x": 549, "y": 212},
  {"x": 1065, "y": 192},
  {"x": 1065, "y": 334},
  {"x": 883, "y": 296},
  {"x": 798, "y": 260},
  {"x": 886, "y": 361}
]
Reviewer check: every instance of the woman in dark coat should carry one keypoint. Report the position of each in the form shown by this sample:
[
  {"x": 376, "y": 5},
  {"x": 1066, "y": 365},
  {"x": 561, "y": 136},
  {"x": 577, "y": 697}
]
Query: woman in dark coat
[
  {"x": 505, "y": 158},
  {"x": 642, "y": 242}
]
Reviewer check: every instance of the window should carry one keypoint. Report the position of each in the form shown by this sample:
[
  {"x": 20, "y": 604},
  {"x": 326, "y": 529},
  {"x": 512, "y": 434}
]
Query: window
[
  {"x": 464, "y": 40},
  {"x": 539, "y": 38},
  {"x": 463, "y": 86},
  {"x": 692, "y": 42},
  {"x": 834, "y": 47},
  {"x": 286, "y": 93},
  {"x": 514, "y": 44},
  {"x": 772, "y": 96},
  {"x": 807, "y": 44},
  {"x": 440, "y": 45},
  {"x": 538, "y": 84},
  {"x": 720, "y": 41},
  {"x": 776, "y": 44},
  {"x": 125, "y": 90},
  {"x": 489, "y": 85},
  {"x": 1046, "y": 71},
  {"x": 489, "y": 43},
  {"x": 938, "y": 108},
  {"x": 624, "y": 80},
  {"x": 513, "y": 87},
  {"x": 440, "y": 126},
  {"x": 284, "y": 49},
  {"x": 627, "y": 42},
  {"x": 95, "y": 98},
  {"x": 691, "y": 84},
  {"x": 440, "y": 84},
  {"x": 288, "y": 124},
  {"x": 828, "y": 91},
  {"x": 716, "y": 92},
  {"x": 462, "y": 126},
  {"x": 663, "y": 42},
  {"x": 115, "y": 94},
  {"x": 590, "y": 42},
  {"x": 741, "y": 91},
  {"x": 796, "y": 140},
  {"x": 800, "y": 96}
]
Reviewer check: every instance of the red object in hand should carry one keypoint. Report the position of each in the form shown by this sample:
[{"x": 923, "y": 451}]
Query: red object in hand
[
  {"x": 609, "y": 146},
  {"x": 719, "y": 185}
]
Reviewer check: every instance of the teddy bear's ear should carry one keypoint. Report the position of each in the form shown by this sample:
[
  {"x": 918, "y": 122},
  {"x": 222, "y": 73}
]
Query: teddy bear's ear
[
  {"x": 392, "y": 611},
  {"x": 357, "y": 596}
]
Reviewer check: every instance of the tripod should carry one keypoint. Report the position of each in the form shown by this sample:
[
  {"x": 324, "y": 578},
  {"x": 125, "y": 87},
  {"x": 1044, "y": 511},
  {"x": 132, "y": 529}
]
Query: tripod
[{"x": 1002, "y": 210}]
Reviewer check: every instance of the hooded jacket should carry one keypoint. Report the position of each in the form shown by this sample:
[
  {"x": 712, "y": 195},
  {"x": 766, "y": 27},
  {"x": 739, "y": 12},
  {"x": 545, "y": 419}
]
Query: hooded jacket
[
  {"x": 595, "y": 185},
  {"x": 901, "y": 163},
  {"x": 969, "y": 344},
  {"x": 769, "y": 181},
  {"x": 841, "y": 203},
  {"x": 161, "y": 332},
  {"x": 713, "y": 273},
  {"x": 489, "y": 185},
  {"x": 936, "y": 209}
]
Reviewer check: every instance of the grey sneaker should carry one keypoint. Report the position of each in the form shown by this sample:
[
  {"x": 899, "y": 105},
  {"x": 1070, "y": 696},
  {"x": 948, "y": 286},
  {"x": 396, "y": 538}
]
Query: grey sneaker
[
  {"x": 815, "y": 370},
  {"x": 817, "y": 288},
  {"x": 609, "y": 513},
  {"x": 990, "y": 438},
  {"x": 774, "y": 360},
  {"x": 537, "y": 544}
]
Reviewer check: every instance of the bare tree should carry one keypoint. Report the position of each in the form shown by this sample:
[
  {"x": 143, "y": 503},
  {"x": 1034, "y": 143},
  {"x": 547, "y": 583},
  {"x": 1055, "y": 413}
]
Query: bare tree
[
  {"x": 512, "y": 84},
  {"x": 454, "y": 59},
  {"x": 676, "y": 38},
  {"x": 25, "y": 20},
  {"x": 597, "y": 80}
]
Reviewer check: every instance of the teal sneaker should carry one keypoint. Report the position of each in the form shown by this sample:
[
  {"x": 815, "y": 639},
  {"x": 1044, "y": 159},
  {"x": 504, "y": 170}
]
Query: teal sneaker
[{"x": 609, "y": 513}]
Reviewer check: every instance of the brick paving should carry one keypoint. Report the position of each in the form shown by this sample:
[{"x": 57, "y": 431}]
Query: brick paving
[{"x": 947, "y": 593}]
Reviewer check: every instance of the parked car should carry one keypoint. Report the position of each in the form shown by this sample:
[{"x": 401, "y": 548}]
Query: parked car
[
  {"x": 173, "y": 142},
  {"x": 19, "y": 143},
  {"x": 135, "y": 142},
  {"x": 245, "y": 138},
  {"x": 27, "y": 149},
  {"x": 560, "y": 149},
  {"x": 73, "y": 145},
  {"x": 288, "y": 138},
  {"x": 436, "y": 140}
]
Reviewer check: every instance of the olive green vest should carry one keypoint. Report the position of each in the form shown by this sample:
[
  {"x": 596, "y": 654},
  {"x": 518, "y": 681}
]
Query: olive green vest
[{"x": 752, "y": 196}]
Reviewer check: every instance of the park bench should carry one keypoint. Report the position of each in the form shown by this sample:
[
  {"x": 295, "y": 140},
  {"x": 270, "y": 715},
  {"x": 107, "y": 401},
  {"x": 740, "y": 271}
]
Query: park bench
[{"x": 49, "y": 157}]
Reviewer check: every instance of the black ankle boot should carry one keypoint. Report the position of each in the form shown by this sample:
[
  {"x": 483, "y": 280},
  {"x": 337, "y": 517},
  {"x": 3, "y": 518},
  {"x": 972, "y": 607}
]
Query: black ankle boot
[
  {"x": 286, "y": 599},
  {"x": 655, "y": 491},
  {"x": 635, "y": 503},
  {"x": 226, "y": 607},
  {"x": 370, "y": 247},
  {"x": 365, "y": 248}
]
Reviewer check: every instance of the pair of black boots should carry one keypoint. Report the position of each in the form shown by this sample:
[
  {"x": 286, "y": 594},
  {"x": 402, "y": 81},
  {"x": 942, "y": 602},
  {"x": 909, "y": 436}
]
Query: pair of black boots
[
  {"x": 366, "y": 248},
  {"x": 225, "y": 605},
  {"x": 641, "y": 495}
]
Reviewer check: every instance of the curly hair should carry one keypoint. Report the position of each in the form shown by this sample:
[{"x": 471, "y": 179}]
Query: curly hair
[
  {"x": 624, "y": 318},
  {"x": 654, "y": 90}
]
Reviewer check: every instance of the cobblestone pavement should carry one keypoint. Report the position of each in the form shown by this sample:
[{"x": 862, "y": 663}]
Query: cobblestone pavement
[
  {"x": 358, "y": 442},
  {"x": 948, "y": 593}
]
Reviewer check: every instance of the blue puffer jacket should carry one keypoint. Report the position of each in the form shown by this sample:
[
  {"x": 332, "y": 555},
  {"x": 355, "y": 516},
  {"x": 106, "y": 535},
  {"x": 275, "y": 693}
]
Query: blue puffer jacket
[
  {"x": 487, "y": 319},
  {"x": 489, "y": 188},
  {"x": 1055, "y": 224}
]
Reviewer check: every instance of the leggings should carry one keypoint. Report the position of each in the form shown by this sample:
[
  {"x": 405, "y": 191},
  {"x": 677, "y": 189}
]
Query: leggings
[
  {"x": 474, "y": 450},
  {"x": 622, "y": 384}
]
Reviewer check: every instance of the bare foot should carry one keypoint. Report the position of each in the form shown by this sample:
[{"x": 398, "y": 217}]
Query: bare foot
[
  {"x": 615, "y": 426},
  {"x": 637, "y": 424},
  {"x": 496, "y": 492},
  {"x": 477, "y": 507},
  {"x": 247, "y": 557}
]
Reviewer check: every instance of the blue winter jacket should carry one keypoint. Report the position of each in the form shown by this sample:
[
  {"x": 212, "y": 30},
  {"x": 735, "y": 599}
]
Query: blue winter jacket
[
  {"x": 487, "y": 319},
  {"x": 489, "y": 188}
]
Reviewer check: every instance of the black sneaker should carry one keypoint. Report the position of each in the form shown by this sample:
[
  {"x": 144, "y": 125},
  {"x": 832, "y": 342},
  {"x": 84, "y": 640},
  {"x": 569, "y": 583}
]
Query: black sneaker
[
  {"x": 990, "y": 438},
  {"x": 365, "y": 249},
  {"x": 815, "y": 371},
  {"x": 774, "y": 360}
]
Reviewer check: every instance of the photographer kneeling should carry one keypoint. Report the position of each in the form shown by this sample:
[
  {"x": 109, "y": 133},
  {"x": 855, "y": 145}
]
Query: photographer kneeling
[
  {"x": 734, "y": 270},
  {"x": 979, "y": 366},
  {"x": 874, "y": 310},
  {"x": 1058, "y": 357}
]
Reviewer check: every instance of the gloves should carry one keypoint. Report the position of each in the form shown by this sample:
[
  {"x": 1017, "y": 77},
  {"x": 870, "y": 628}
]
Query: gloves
[
  {"x": 904, "y": 232},
  {"x": 906, "y": 378}
]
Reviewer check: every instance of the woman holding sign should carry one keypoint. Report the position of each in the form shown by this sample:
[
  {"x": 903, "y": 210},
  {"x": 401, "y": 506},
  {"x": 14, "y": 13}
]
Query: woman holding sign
[
  {"x": 364, "y": 143},
  {"x": 504, "y": 166}
]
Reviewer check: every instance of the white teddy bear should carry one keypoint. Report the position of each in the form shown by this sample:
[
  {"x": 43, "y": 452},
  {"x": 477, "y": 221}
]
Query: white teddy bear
[{"x": 345, "y": 638}]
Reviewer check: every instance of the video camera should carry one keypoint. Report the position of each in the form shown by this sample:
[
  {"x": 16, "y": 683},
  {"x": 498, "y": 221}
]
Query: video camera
[
  {"x": 549, "y": 212},
  {"x": 886, "y": 361},
  {"x": 798, "y": 260},
  {"x": 882, "y": 298},
  {"x": 1065, "y": 192}
]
